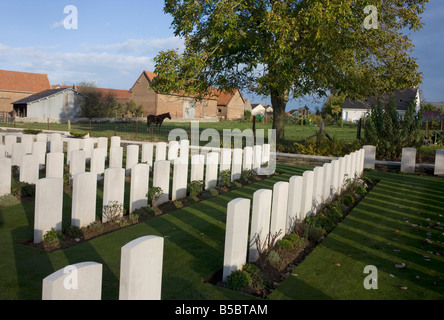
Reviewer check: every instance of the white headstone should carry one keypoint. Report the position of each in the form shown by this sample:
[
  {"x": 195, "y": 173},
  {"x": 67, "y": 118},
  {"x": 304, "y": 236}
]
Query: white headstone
[
  {"x": 236, "y": 236},
  {"x": 18, "y": 151},
  {"x": 184, "y": 149},
  {"x": 257, "y": 157},
  {"x": 9, "y": 141},
  {"x": 248, "y": 158},
  {"x": 84, "y": 191},
  {"x": 439, "y": 162},
  {"x": 56, "y": 145},
  {"x": 102, "y": 143},
  {"x": 161, "y": 151},
  {"x": 147, "y": 153},
  {"x": 113, "y": 189},
  {"x": 327, "y": 183},
  {"x": 197, "y": 167},
  {"x": 161, "y": 179},
  {"x": 180, "y": 178},
  {"x": 98, "y": 158},
  {"x": 39, "y": 150},
  {"x": 141, "y": 266},
  {"x": 5, "y": 176},
  {"x": 266, "y": 150},
  {"x": 307, "y": 194},
  {"x": 54, "y": 165},
  {"x": 334, "y": 178},
  {"x": 139, "y": 186},
  {"x": 72, "y": 145},
  {"x": 211, "y": 170},
  {"x": 341, "y": 176},
  {"x": 173, "y": 150},
  {"x": 81, "y": 281},
  {"x": 279, "y": 210},
  {"x": 236, "y": 165},
  {"x": 48, "y": 207},
  {"x": 370, "y": 157},
  {"x": 29, "y": 169},
  {"x": 408, "y": 160},
  {"x": 77, "y": 163},
  {"x": 294, "y": 201},
  {"x": 260, "y": 222},
  {"x": 27, "y": 141},
  {"x": 2, "y": 151},
  {"x": 132, "y": 157},
  {"x": 116, "y": 157},
  {"x": 318, "y": 188},
  {"x": 115, "y": 141},
  {"x": 88, "y": 146},
  {"x": 225, "y": 159}
]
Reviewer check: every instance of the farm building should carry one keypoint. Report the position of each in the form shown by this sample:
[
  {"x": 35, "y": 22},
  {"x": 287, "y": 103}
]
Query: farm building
[
  {"x": 19, "y": 85},
  {"x": 228, "y": 105},
  {"x": 59, "y": 103},
  {"x": 353, "y": 110}
]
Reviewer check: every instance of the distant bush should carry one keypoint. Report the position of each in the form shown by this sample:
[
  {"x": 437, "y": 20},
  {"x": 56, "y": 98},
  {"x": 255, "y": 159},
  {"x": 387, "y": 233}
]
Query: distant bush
[
  {"x": 32, "y": 131},
  {"x": 78, "y": 134}
]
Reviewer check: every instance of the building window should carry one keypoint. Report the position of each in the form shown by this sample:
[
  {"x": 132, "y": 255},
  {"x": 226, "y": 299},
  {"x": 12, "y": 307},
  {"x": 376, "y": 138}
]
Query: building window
[{"x": 219, "y": 110}]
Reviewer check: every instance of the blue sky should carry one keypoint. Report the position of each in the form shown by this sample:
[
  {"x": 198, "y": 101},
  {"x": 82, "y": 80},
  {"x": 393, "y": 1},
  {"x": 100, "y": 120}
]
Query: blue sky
[{"x": 117, "y": 40}]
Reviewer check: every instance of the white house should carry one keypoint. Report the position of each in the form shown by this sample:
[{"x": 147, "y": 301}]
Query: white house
[
  {"x": 353, "y": 110},
  {"x": 259, "y": 109}
]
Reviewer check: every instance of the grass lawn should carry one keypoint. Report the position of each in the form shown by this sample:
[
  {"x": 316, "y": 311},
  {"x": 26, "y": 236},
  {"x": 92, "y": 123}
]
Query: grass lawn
[
  {"x": 194, "y": 242},
  {"x": 393, "y": 225},
  {"x": 128, "y": 130}
]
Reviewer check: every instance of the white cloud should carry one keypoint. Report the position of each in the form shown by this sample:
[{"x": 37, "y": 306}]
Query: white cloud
[
  {"x": 57, "y": 24},
  {"x": 113, "y": 70}
]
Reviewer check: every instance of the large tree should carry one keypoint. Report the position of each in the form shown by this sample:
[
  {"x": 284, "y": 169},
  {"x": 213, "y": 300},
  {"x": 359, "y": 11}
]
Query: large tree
[{"x": 287, "y": 49}]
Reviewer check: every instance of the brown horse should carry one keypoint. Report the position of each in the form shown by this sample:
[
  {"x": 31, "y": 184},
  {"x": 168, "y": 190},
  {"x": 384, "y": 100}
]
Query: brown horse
[{"x": 157, "y": 120}]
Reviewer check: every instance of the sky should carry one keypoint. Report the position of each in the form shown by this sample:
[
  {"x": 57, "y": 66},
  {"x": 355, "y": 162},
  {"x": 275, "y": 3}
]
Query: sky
[{"x": 115, "y": 41}]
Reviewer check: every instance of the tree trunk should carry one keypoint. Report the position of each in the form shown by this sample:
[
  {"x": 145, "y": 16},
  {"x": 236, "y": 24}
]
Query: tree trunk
[{"x": 279, "y": 102}]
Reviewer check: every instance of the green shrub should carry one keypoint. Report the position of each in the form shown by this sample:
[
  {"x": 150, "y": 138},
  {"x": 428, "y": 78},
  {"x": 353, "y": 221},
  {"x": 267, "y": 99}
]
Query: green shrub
[
  {"x": 347, "y": 200},
  {"x": 284, "y": 244},
  {"x": 78, "y": 134},
  {"x": 23, "y": 189},
  {"x": 74, "y": 232},
  {"x": 153, "y": 194},
  {"x": 238, "y": 280},
  {"x": 313, "y": 233},
  {"x": 294, "y": 238},
  {"x": 32, "y": 131},
  {"x": 361, "y": 191},
  {"x": 178, "y": 204},
  {"x": 213, "y": 192},
  {"x": 247, "y": 175},
  {"x": 251, "y": 269},
  {"x": 133, "y": 217},
  {"x": 273, "y": 257},
  {"x": 143, "y": 212},
  {"x": 225, "y": 178},
  {"x": 53, "y": 237},
  {"x": 195, "y": 188},
  {"x": 95, "y": 226},
  {"x": 334, "y": 212}
]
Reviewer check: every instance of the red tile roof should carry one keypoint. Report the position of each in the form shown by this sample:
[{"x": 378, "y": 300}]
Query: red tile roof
[{"x": 23, "y": 81}]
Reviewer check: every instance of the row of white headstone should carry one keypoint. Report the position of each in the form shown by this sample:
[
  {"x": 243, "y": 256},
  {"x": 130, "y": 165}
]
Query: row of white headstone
[
  {"x": 49, "y": 190},
  {"x": 275, "y": 212},
  {"x": 141, "y": 265}
]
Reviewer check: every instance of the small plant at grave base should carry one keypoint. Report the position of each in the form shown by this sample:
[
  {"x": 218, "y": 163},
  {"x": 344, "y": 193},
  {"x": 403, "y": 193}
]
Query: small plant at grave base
[
  {"x": 23, "y": 189},
  {"x": 347, "y": 200},
  {"x": 153, "y": 195},
  {"x": 264, "y": 247},
  {"x": 133, "y": 218},
  {"x": 225, "y": 178},
  {"x": 112, "y": 211},
  {"x": 53, "y": 237},
  {"x": 273, "y": 258},
  {"x": 195, "y": 188},
  {"x": 95, "y": 226},
  {"x": 74, "y": 232},
  {"x": 284, "y": 244},
  {"x": 67, "y": 179},
  {"x": 178, "y": 204},
  {"x": 294, "y": 239},
  {"x": 78, "y": 134},
  {"x": 237, "y": 183},
  {"x": 313, "y": 233},
  {"x": 239, "y": 280},
  {"x": 361, "y": 191},
  {"x": 247, "y": 175},
  {"x": 213, "y": 192},
  {"x": 32, "y": 131}
]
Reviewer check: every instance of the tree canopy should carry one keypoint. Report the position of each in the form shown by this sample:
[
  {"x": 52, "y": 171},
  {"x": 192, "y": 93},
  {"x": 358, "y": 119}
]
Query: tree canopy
[{"x": 287, "y": 49}]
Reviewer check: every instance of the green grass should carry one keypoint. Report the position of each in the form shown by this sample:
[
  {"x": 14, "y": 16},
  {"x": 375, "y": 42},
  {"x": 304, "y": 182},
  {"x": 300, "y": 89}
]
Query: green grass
[
  {"x": 133, "y": 131},
  {"x": 394, "y": 216},
  {"x": 194, "y": 242}
]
